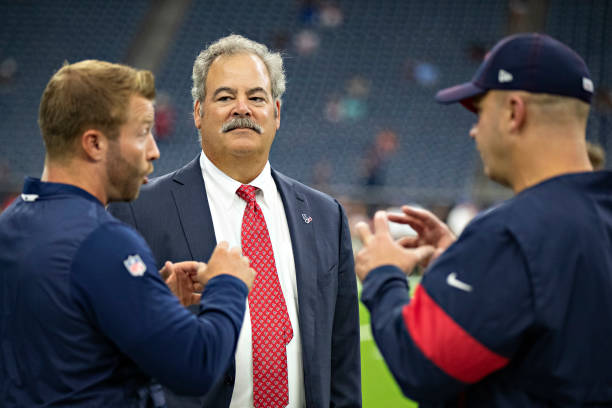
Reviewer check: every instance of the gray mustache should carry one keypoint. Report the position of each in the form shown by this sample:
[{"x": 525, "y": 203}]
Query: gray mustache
[{"x": 241, "y": 123}]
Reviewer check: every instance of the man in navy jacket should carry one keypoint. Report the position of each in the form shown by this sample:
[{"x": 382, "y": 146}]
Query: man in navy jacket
[
  {"x": 517, "y": 312},
  {"x": 86, "y": 319}
]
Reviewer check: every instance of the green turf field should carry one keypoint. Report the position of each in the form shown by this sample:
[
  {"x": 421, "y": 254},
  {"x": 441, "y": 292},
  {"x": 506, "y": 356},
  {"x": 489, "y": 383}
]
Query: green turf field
[{"x": 377, "y": 385}]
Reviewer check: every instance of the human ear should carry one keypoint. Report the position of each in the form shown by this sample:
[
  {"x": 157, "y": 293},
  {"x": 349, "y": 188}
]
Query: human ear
[
  {"x": 277, "y": 113},
  {"x": 517, "y": 112},
  {"x": 197, "y": 114},
  {"x": 94, "y": 144}
]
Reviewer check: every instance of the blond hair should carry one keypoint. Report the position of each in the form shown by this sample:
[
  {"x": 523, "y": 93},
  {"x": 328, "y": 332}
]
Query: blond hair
[
  {"x": 85, "y": 95},
  {"x": 558, "y": 108}
]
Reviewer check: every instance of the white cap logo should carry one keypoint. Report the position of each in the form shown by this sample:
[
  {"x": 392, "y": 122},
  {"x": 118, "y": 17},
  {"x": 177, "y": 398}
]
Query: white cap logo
[
  {"x": 587, "y": 84},
  {"x": 504, "y": 76},
  {"x": 29, "y": 198}
]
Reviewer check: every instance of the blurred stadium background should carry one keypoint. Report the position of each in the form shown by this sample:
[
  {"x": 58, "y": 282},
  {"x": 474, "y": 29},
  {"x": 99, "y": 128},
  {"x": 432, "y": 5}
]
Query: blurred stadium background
[{"x": 358, "y": 118}]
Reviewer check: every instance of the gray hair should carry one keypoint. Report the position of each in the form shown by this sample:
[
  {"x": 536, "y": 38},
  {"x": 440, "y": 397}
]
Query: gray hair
[{"x": 231, "y": 45}]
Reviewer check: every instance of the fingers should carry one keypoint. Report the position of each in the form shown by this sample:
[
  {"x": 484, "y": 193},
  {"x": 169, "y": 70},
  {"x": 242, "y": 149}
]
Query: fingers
[
  {"x": 423, "y": 253},
  {"x": 236, "y": 252},
  {"x": 245, "y": 260},
  {"x": 413, "y": 222},
  {"x": 361, "y": 270},
  {"x": 415, "y": 212},
  {"x": 364, "y": 232},
  {"x": 226, "y": 261},
  {"x": 222, "y": 246},
  {"x": 183, "y": 292},
  {"x": 408, "y": 242},
  {"x": 413, "y": 257},
  {"x": 180, "y": 279},
  {"x": 166, "y": 271},
  {"x": 404, "y": 219},
  {"x": 201, "y": 276},
  {"x": 427, "y": 218},
  {"x": 188, "y": 267},
  {"x": 381, "y": 224},
  {"x": 250, "y": 278}
]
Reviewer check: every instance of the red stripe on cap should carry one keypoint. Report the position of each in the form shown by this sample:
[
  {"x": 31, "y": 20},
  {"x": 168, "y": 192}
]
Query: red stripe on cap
[{"x": 445, "y": 343}]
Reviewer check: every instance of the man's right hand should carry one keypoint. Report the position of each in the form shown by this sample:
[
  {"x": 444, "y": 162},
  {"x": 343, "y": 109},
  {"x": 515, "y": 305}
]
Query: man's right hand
[
  {"x": 226, "y": 261},
  {"x": 379, "y": 249}
]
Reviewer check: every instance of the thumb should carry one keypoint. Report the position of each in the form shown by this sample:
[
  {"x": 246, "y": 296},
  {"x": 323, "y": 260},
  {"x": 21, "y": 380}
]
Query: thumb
[
  {"x": 166, "y": 271},
  {"x": 201, "y": 274},
  {"x": 423, "y": 253}
]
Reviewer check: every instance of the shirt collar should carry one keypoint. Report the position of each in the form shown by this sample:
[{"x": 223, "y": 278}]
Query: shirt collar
[
  {"x": 34, "y": 188},
  {"x": 227, "y": 186}
]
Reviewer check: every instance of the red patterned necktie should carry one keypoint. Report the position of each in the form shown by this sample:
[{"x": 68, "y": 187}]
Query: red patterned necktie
[{"x": 271, "y": 327}]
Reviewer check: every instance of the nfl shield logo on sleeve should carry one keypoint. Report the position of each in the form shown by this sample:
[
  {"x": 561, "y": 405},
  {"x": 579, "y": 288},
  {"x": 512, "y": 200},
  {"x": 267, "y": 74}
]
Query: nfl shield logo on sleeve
[{"x": 134, "y": 265}]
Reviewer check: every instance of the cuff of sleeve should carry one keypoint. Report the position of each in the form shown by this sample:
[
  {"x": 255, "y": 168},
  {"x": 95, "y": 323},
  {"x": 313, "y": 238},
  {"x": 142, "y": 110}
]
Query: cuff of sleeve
[
  {"x": 380, "y": 280},
  {"x": 224, "y": 279},
  {"x": 225, "y": 294}
]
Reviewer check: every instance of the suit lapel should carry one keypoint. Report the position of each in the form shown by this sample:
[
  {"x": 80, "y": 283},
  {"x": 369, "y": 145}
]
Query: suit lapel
[
  {"x": 301, "y": 229},
  {"x": 191, "y": 202}
]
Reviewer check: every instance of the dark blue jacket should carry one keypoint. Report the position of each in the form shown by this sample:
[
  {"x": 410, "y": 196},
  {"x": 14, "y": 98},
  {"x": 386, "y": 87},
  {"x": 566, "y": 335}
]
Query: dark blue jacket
[
  {"x": 517, "y": 313},
  {"x": 86, "y": 320},
  {"x": 173, "y": 215}
]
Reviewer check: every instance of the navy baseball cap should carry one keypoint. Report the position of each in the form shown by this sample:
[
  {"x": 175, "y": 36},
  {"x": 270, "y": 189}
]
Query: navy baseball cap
[{"x": 529, "y": 62}]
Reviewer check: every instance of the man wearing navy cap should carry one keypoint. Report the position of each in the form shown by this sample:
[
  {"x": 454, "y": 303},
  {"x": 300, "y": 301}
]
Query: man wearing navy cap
[{"x": 516, "y": 312}]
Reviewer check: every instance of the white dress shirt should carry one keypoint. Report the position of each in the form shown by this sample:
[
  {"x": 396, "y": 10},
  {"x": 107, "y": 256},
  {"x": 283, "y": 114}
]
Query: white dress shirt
[{"x": 227, "y": 209}]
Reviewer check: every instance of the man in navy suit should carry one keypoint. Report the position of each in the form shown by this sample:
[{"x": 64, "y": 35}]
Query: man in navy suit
[{"x": 237, "y": 89}]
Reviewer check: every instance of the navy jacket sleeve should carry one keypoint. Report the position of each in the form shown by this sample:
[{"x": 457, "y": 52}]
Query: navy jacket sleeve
[
  {"x": 145, "y": 320},
  {"x": 465, "y": 321},
  {"x": 346, "y": 363}
]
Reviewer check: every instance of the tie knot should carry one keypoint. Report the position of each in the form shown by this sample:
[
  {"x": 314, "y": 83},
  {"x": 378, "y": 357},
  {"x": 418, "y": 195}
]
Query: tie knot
[{"x": 247, "y": 193}]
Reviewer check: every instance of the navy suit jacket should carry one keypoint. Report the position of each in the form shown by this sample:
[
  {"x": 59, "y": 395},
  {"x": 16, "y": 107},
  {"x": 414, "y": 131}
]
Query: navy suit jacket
[{"x": 173, "y": 215}]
